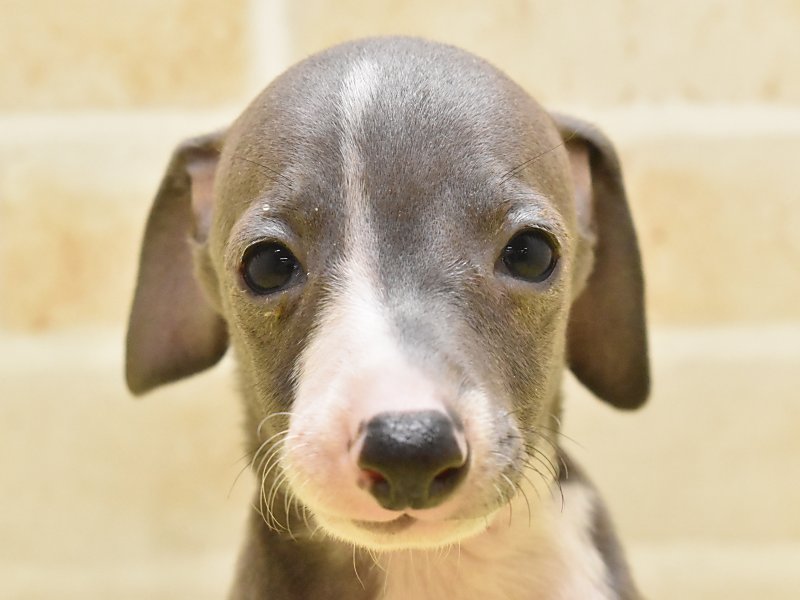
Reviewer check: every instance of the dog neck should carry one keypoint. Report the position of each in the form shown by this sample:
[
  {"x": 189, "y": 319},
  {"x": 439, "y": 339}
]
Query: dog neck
[
  {"x": 540, "y": 548},
  {"x": 541, "y": 545}
]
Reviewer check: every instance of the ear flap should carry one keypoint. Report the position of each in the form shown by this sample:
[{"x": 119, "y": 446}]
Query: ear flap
[
  {"x": 173, "y": 331},
  {"x": 606, "y": 334}
]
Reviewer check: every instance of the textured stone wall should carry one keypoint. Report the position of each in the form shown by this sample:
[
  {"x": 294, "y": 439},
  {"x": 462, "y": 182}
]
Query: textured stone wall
[{"x": 701, "y": 98}]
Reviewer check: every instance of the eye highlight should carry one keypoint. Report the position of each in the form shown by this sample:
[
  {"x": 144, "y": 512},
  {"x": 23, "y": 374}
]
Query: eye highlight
[
  {"x": 268, "y": 267},
  {"x": 530, "y": 255}
]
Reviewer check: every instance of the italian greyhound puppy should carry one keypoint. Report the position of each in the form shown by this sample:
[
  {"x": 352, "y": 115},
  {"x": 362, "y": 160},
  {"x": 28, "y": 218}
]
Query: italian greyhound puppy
[{"x": 404, "y": 251}]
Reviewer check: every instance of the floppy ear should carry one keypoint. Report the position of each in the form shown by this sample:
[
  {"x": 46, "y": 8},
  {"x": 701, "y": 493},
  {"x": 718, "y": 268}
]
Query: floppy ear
[
  {"x": 173, "y": 330},
  {"x": 606, "y": 334}
]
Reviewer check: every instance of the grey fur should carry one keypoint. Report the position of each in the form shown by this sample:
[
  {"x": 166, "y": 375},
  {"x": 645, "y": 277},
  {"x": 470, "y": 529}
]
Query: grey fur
[{"x": 456, "y": 157}]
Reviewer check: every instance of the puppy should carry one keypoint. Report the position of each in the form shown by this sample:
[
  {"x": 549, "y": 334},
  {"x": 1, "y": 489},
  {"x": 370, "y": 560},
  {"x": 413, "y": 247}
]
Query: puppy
[{"x": 403, "y": 250}]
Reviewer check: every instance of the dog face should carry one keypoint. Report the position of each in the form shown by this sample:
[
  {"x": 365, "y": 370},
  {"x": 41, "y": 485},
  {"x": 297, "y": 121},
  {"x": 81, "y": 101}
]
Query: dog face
[{"x": 403, "y": 249}]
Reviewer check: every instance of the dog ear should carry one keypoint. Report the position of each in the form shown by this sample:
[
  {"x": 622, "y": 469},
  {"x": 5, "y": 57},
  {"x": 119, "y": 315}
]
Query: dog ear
[
  {"x": 173, "y": 330},
  {"x": 606, "y": 334}
]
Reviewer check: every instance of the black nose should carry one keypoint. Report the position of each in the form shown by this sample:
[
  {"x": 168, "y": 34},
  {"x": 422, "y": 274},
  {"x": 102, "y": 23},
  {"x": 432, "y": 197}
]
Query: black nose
[{"x": 412, "y": 459}]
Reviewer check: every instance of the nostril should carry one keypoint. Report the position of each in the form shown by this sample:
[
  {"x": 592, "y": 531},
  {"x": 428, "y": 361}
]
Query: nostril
[
  {"x": 446, "y": 481},
  {"x": 370, "y": 478},
  {"x": 376, "y": 484},
  {"x": 446, "y": 477}
]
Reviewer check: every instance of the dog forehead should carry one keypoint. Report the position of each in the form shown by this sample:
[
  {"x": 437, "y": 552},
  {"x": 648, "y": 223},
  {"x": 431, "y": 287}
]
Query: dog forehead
[
  {"x": 426, "y": 107},
  {"x": 415, "y": 135}
]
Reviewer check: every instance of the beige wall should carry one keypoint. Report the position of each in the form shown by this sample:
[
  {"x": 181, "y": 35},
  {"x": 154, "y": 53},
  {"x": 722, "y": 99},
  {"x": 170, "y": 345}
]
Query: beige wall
[
  {"x": 190, "y": 54},
  {"x": 703, "y": 100}
]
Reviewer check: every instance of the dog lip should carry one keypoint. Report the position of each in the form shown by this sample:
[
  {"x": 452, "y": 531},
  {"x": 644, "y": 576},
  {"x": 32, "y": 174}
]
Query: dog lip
[{"x": 397, "y": 525}]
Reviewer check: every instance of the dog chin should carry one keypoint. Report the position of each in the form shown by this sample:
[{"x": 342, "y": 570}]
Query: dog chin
[{"x": 403, "y": 533}]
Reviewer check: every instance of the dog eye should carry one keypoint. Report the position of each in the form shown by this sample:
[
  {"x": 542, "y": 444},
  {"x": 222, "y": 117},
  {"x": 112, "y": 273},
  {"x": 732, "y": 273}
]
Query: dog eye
[
  {"x": 530, "y": 255},
  {"x": 268, "y": 267}
]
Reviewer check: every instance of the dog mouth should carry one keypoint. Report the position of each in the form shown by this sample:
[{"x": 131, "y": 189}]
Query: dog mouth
[
  {"x": 397, "y": 525},
  {"x": 404, "y": 532}
]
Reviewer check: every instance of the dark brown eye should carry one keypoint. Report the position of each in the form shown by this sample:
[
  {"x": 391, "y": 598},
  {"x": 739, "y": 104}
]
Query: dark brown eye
[
  {"x": 268, "y": 267},
  {"x": 530, "y": 255}
]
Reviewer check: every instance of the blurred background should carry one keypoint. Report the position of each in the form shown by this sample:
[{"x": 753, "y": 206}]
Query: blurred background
[{"x": 102, "y": 496}]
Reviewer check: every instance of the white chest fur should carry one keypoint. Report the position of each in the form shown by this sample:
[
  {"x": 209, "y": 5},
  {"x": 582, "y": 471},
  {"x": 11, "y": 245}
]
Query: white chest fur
[{"x": 550, "y": 556}]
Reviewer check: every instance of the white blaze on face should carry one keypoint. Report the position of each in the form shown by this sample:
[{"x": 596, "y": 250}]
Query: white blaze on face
[
  {"x": 354, "y": 368},
  {"x": 358, "y": 93}
]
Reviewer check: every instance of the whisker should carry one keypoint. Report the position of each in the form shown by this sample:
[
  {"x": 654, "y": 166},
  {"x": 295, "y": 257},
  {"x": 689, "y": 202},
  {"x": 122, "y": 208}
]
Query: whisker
[
  {"x": 272, "y": 453},
  {"x": 260, "y": 512},
  {"x": 542, "y": 458},
  {"x": 527, "y": 503},
  {"x": 531, "y": 448},
  {"x": 303, "y": 507},
  {"x": 387, "y": 570},
  {"x": 355, "y": 569},
  {"x": 252, "y": 461},
  {"x": 275, "y": 459},
  {"x": 277, "y": 177},
  {"x": 268, "y": 417},
  {"x": 510, "y": 412},
  {"x": 267, "y": 497},
  {"x": 282, "y": 432},
  {"x": 510, "y": 173},
  {"x": 236, "y": 479},
  {"x": 533, "y": 485},
  {"x": 558, "y": 433},
  {"x": 556, "y": 449},
  {"x": 273, "y": 491},
  {"x": 547, "y": 482},
  {"x": 510, "y": 503},
  {"x": 266, "y": 512},
  {"x": 316, "y": 530},
  {"x": 428, "y": 563},
  {"x": 288, "y": 496},
  {"x": 375, "y": 560}
]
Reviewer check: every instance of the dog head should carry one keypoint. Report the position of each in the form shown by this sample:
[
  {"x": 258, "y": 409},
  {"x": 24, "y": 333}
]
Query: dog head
[{"x": 403, "y": 250}]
